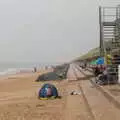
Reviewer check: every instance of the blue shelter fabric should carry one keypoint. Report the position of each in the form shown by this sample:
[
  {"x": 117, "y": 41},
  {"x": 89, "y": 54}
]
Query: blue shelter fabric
[
  {"x": 100, "y": 61},
  {"x": 48, "y": 90}
]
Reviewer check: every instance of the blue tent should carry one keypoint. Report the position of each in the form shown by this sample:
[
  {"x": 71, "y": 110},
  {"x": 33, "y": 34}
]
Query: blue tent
[
  {"x": 47, "y": 91},
  {"x": 100, "y": 61}
]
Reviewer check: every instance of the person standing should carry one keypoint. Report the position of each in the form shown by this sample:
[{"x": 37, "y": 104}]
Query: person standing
[{"x": 35, "y": 69}]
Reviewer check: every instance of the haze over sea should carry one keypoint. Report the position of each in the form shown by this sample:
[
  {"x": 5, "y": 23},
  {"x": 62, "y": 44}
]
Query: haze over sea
[{"x": 14, "y": 67}]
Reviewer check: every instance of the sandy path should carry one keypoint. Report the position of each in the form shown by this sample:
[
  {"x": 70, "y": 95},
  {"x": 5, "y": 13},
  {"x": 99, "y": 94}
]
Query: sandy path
[
  {"x": 76, "y": 108},
  {"x": 101, "y": 107}
]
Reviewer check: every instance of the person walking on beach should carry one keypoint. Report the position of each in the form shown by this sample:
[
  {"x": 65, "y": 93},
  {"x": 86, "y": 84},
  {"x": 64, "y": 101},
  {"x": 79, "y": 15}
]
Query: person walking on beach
[{"x": 35, "y": 69}]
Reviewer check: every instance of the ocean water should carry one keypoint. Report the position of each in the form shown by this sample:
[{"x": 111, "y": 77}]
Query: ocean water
[{"x": 13, "y": 68}]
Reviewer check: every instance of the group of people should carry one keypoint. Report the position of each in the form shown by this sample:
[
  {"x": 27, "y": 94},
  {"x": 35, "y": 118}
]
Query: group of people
[
  {"x": 105, "y": 74},
  {"x": 99, "y": 69}
]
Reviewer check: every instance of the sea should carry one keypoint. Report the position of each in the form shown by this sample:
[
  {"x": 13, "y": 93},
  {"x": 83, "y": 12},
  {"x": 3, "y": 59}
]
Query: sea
[{"x": 8, "y": 68}]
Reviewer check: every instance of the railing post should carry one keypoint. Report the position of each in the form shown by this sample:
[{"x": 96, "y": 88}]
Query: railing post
[{"x": 119, "y": 74}]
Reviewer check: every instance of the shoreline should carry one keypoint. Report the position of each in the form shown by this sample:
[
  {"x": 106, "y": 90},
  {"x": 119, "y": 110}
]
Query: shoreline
[{"x": 23, "y": 74}]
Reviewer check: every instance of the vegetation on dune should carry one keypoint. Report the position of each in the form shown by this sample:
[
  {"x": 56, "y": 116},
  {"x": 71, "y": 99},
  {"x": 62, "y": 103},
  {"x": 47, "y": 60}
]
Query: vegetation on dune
[{"x": 92, "y": 53}]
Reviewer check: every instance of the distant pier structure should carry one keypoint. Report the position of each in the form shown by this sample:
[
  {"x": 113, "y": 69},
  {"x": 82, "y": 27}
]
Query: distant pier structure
[{"x": 109, "y": 19}]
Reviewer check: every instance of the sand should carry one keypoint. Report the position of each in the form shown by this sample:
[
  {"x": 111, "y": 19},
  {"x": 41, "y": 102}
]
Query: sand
[{"x": 18, "y": 99}]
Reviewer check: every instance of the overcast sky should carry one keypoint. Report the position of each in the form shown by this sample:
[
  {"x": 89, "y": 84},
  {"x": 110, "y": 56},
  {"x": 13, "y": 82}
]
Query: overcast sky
[{"x": 48, "y": 30}]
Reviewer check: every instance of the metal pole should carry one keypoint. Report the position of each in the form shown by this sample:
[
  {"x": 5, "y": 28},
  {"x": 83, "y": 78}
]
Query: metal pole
[
  {"x": 101, "y": 31},
  {"x": 118, "y": 11}
]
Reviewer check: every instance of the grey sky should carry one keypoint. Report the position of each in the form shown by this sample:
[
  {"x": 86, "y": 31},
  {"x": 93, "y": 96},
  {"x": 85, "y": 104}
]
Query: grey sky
[{"x": 48, "y": 30}]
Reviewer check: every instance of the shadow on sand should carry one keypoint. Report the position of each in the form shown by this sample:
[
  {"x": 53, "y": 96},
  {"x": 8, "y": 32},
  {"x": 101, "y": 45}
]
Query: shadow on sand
[{"x": 49, "y": 76}]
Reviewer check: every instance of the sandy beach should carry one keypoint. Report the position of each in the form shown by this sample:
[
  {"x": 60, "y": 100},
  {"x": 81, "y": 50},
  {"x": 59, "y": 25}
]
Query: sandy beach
[{"x": 18, "y": 99}]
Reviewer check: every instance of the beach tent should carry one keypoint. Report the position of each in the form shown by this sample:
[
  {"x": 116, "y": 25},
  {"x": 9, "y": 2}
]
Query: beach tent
[
  {"x": 48, "y": 91},
  {"x": 100, "y": 61}
]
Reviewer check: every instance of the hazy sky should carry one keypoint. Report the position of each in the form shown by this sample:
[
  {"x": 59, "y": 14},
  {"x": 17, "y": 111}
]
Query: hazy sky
[{"x": 48, "y": 30}]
